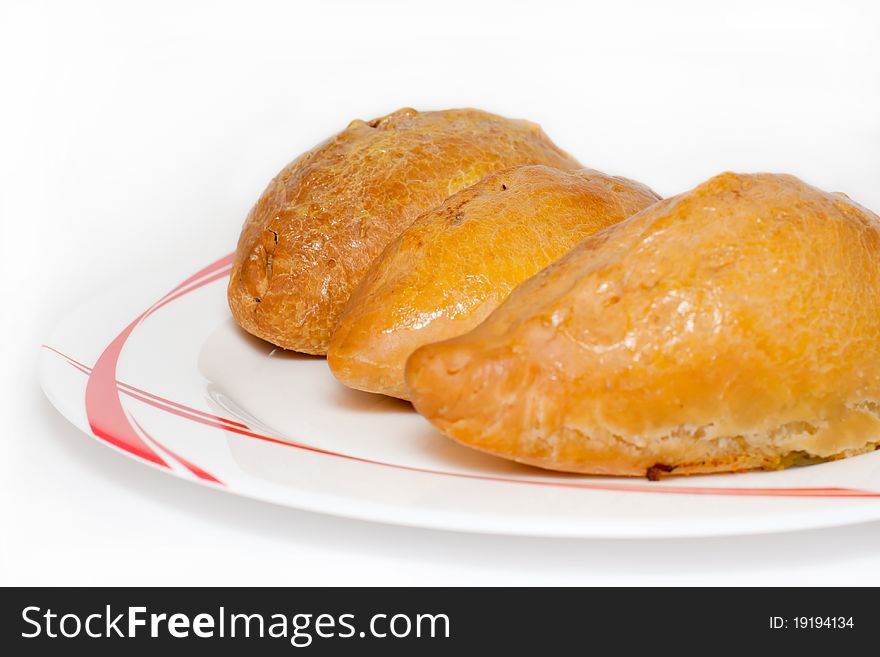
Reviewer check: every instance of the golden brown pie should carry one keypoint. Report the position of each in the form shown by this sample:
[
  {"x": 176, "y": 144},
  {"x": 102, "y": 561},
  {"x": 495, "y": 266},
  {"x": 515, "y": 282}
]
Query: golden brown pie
[
  {"x": 733, "y": 327},
  {"x": 320, "y": 223},
  {"x": 453, "y": 266}
]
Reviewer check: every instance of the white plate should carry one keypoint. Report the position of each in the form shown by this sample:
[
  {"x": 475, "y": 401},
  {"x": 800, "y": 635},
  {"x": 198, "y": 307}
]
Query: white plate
[{"x": 178, "y": 386}]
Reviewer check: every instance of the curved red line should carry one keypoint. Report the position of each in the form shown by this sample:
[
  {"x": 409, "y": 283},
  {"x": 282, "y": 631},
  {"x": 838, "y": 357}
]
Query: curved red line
[
  {"x": 104, "y": 410},
  {"x": 128, "y": 389},
  {"x": 66, "y": 357},
  {"x": 638, "y": 488},
  {"x": 125, "y": 387},
  {"x": 196, "y": 470},
  {"x": 107, "y": 418},
  {"x": 79, "y": 367},
  {"x": 168, "y": 299},
  {"x": 202, "y": 278},
  {"x": 225, "y": 261}
]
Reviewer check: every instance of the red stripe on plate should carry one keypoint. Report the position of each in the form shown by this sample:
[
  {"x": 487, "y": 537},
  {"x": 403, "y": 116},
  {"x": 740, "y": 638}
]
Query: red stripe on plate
[
  {"x": 104, "y": 410},
  {"x": 210, "y": 279},
  {"x": 225, "y": 261},
  {"x": 196, "y": 470},
  {"x": 640, "y": 488},
  {"x": 128, "y": 389},
  {"x": 105, "y": 413}
]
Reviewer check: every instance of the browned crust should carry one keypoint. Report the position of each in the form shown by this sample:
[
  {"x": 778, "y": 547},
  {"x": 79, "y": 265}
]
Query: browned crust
[
  {"x": 455, "y": 263},
  {"x": 315, "y": 230},
  {"x": 733, "y": 327}
]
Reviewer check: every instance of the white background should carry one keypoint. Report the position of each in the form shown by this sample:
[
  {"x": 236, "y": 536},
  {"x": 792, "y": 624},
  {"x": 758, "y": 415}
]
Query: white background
[{"x": 134, "y": 135}]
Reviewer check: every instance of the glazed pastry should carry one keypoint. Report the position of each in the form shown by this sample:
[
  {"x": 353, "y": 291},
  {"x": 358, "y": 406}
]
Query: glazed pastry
[
  {"x": 314, "y": 232},
  {"x": 453, "y": 266},
  {"x": 733, "y": 327}
]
